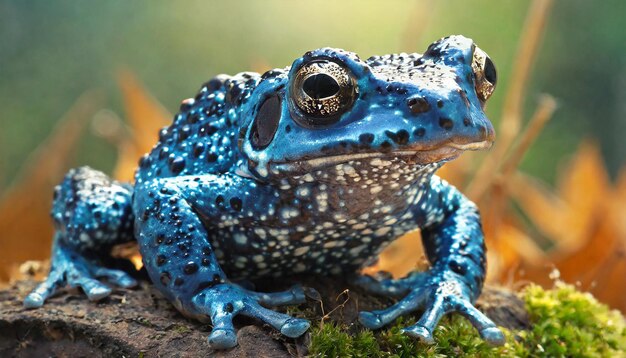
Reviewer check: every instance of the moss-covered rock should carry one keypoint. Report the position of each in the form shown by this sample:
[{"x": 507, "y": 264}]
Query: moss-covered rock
[{"x": 565, "y": 323}]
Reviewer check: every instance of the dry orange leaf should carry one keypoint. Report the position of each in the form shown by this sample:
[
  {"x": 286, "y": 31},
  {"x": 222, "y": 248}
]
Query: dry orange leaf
[
  {"x": 146, "y": 116},
  {"x": 24, "y": 208}
]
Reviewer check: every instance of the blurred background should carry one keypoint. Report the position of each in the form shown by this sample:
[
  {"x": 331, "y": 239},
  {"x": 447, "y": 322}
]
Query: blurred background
[{"x": 90, "y": 83}]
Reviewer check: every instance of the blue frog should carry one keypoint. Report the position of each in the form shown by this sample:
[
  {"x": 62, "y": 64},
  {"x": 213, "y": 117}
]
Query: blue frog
[{"x": 310, "y": 169}]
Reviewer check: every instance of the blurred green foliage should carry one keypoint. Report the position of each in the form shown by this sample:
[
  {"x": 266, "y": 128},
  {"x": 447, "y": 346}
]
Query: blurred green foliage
[{"x": 51, "y": 52}]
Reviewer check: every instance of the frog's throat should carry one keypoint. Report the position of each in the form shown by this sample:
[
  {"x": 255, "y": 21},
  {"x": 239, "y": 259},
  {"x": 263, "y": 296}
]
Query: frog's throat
[{"x": 419, "y": 157}]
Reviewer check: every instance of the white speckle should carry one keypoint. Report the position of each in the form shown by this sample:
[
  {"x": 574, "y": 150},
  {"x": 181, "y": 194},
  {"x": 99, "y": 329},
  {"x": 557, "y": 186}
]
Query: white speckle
[
  {"x": 303, "y": 191},
  {"x": 391, "y": 221},
  {"x": 376, "y": 189},
  {"x": 299, "y": 267},
  {"x": 382, "y": 231},
  {"x": 308, "y": 238},
  {"x": 359, "y": 226},
  {"x": 240, "y": 239},
  {"x": 260, "y": 233},
  {"x": 301, "y": 251}
]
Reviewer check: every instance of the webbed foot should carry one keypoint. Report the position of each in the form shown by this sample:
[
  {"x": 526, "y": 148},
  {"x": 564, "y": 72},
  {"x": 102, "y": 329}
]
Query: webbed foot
[
  {"x": 225, "y": 301},
  {"x": 70, "y": 269},
  {"x": 438, "y": 295}
]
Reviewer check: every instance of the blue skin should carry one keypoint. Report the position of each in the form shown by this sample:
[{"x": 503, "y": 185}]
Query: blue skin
[{"x": 310, "y": 169}]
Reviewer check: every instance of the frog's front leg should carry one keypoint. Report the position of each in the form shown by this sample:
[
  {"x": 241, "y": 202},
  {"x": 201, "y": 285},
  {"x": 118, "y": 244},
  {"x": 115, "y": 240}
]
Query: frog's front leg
[
  {"x": 454, "y": 243},
  {"x": 175, "y": 218},
  {"x": 91, "y": 213}
]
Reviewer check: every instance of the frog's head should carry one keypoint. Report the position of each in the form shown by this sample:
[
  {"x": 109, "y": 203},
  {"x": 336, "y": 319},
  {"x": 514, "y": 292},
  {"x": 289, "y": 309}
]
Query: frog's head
[{"x": 332, "y": 107}]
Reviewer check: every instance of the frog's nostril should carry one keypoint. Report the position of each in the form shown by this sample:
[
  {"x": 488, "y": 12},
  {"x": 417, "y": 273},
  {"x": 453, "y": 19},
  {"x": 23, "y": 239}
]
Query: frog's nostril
[{"x": 418, "y": 105}]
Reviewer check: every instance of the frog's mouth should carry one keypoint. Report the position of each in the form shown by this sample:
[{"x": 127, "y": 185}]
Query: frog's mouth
[{"x": 418, "y": 156}]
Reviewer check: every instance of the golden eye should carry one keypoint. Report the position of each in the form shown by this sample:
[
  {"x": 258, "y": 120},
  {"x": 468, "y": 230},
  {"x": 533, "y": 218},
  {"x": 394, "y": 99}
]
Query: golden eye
[
  {"x": 484, "y": 73},
  {"x": 322, "y": 90}
]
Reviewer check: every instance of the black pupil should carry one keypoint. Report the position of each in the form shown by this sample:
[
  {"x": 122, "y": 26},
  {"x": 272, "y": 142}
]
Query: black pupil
[
  {"x": 320, "y": 86},
  {"x": 490, "y": 71}
]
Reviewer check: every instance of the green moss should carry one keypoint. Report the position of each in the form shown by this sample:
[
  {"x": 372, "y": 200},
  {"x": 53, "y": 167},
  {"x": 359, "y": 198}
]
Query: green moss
[{"x": 566, "y": 323}]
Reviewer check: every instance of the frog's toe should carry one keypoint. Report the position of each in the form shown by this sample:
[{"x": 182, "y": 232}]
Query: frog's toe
[
  {"x": 287, "y": 325},
  {"x": 295, "y": 327},
  {"x": 44, "y": 290},
  {"x": 419, "y": 332},
  {"x": 222, "y": 339},
  {"x": 94, "y": 289},
  {"x": 487, "y": 329},
  {"x": 379, "y": 318},
  {"x": 293, "y": 296},
  {"x": 116, "y": 277}
]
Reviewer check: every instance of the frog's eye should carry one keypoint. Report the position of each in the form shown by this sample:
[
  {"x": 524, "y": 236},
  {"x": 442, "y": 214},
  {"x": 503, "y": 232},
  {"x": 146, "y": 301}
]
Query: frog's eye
[
  {"x": 484, "y": 73},
  {"x": 322, "y": 90}
]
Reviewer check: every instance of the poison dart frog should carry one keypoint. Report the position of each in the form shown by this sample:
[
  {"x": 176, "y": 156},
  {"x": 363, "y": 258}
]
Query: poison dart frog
[{"x": 309, "y": 169}]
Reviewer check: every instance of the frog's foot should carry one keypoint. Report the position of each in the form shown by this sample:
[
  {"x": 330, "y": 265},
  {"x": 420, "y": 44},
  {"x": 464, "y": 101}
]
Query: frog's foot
[
  {"x": 440, "y": 294},
  {"x": 71, "y": 269},
  {"x": 384, "y": 285},
  {"x": 224, "y": 301}
]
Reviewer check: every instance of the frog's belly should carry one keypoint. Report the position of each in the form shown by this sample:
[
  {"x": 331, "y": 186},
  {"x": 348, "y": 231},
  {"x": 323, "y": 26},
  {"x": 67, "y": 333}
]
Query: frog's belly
[{"x": 273, "y": 252}]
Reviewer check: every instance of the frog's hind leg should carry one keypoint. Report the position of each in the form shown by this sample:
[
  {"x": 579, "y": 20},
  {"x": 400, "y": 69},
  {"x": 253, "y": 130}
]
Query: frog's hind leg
[
  {"x": 175, "y": 220},
  {"x": 91, "y": 213}
]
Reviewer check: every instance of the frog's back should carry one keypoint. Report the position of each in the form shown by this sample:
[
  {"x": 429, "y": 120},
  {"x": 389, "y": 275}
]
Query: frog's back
[{"x": 202, "y": 138}]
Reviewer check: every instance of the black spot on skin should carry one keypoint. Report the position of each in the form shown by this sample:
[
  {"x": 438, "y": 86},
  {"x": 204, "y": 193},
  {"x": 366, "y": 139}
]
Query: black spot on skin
[
  {"x": 440, "y": 103},
  {"x": 287, "y": 129},
  {"x": 400, "y": 137},
  {"x": 193, "y": 118},
  {"x": 463, "y": 96},
  {"x": 178, "y": 281},
  {"x": 211, "y": 157},
  {"x": 211, "y": 129},
  {"x": 214, "y": 84},
  {"x": 177, "y": 165},
  {"x": 229, "y": 308},
  {"x": 467, "y": 122},
  {"x": 366, "y": 138},
  {"x": 236, "y": 204},
  {"x": 219, "y": 200},
  {"x": 420, "y": 132},
  {"x": 206, "y": 262},
  {"x": 186, "y": 105},
  {"x": 198, "y": 149},
  {"x": 208, "y": 284},
  {"x": 145, "y": 161},
  {"x": 385, "y": 146},
  {"x": 184, "y": 133},
  {"x": 161, "y": 260},
  {"x": 190, "y": 268},
  {"x": 446, "y": 123},
  {"x": 457, "y": 267},
  {"x": 164, "y": 152},
  {"x": 418, "y": 105},
  {"x": 165, "y": 278}
]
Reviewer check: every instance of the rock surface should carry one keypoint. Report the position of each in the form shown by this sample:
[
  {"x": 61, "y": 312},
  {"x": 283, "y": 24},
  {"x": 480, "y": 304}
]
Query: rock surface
[{"x": 140, "y": 322}]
